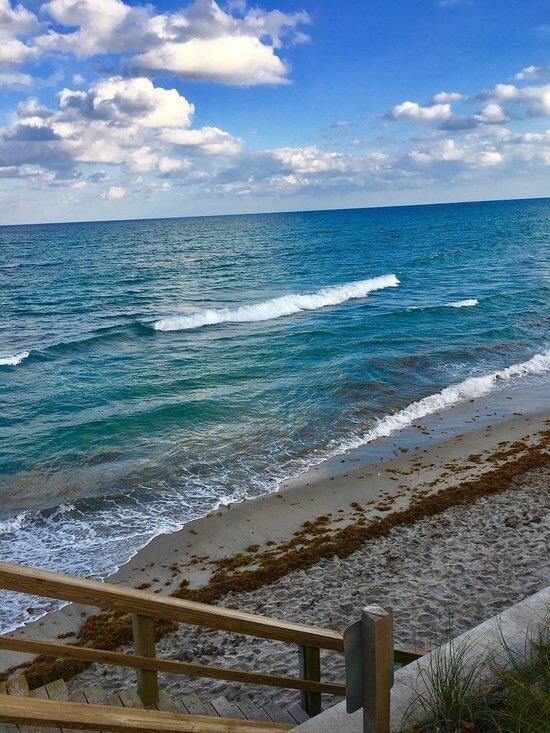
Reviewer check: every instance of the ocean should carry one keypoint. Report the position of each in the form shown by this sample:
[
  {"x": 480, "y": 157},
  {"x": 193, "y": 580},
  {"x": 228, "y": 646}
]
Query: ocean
[{"x": 151, "y": 370}]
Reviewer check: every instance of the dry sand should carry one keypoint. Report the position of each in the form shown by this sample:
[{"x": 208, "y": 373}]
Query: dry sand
[{"x": 465, "y": 564}]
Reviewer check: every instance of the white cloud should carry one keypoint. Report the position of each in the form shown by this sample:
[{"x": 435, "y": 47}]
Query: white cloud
[
  {"x": 114, "y": 192},
  {"x": 209, "y": 140},
  {"x": 240, "y": 60},
  {"x": 202, "y": 41},
  {"x": 130, "y": 101},
  {"x": 16, "y": 24},
  {"x": 416, "y": 113},
  {"x": 122, "y": 122},
  {"x": 15, "y": 78},
  {"x": 530, "y": 100},
  {"x": 17, "y": 20},
  {"x": 169, "y": 165},
  {"x": 446, "y": 97},
  {"x": 491, "y": 113},
  {"x": 533, "y": 73}
]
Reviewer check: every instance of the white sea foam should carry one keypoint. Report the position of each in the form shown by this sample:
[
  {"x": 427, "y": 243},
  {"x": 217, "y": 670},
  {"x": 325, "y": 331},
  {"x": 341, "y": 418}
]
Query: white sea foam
[
  {"x": 468, "y": 303},
  {"x": 13, "y": 359},
  {"x": 471, "y": 388},
  {"x": 286, "y": 305}
]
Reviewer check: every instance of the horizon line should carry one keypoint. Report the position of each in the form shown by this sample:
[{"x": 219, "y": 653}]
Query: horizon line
[{"x": 279, "y": 211}]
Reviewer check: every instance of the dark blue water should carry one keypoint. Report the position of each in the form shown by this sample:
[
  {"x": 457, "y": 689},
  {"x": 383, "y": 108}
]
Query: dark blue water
[{"x": 151, "y": 369}]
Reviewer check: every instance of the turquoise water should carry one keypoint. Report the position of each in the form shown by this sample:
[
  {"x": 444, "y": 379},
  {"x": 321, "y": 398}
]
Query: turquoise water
[{"x": 151, "y": 369}]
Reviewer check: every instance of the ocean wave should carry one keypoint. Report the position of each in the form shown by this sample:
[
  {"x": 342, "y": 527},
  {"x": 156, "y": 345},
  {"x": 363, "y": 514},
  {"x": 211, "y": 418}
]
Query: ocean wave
[
  {"x": 468, "y": 303},
  {"x": 285, "y": 305},
  {"x": 469, "y": 389},
  {"x": 13, "y": 359}
]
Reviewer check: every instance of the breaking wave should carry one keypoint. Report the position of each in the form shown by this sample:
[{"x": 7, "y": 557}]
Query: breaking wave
[
  {"x": 14, "y": 359},
  {"x": 468, "y": 303},
  {"x": 471, "y": 388},
  {"x": 285, "y": 305}
]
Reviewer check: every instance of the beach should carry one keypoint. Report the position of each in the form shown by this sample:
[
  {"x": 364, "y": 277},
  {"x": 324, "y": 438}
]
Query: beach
[{"x": 445, "y": 527}]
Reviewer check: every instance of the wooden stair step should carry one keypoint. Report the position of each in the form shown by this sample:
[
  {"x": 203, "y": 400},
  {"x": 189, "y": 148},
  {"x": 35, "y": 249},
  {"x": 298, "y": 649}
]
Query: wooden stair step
[
  {"x": 95, "y": 695},
  {"x": 252, "y": 711},
  {"x": 17, "y": 686},
  {"x": 78, "y": 696},
  {"x": 225, "y": 709},
  {"x": 278, "y": 714},
  {"x": 297, "y": 712},
  {"x": 194, "y": 705},
  {"x": 41, "y": 694},
  {"x": 114, "y": 700},
  {"x": 130, "y": 698},
  {"x": 169, "y": 705},
  {"x": 57, "y": 690},
  {"x": 6, "y": 727}
]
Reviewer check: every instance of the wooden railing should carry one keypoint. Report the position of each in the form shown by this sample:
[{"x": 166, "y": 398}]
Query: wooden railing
[
  {"x": 27, "y": 711},
  {"x": 146, "y": 607}
]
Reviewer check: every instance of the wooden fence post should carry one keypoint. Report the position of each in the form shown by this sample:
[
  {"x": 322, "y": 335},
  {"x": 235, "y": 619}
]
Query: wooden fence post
[
  {"x": 377, "y": 635},
  {"x": 309, "y": 658},
  {"x": 144, "y": 646}
]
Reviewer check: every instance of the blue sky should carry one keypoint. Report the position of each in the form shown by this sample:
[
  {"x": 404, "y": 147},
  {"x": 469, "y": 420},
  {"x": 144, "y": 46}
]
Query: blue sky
[{"x": 118, "y": 109}]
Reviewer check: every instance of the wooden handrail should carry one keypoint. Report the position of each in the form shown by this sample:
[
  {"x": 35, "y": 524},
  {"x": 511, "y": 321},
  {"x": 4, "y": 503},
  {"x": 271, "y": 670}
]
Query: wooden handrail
[
  {"x": 69, "y": 651},
  {"x": 118, "y": 598},
  {"x": 76, "y": 716}
]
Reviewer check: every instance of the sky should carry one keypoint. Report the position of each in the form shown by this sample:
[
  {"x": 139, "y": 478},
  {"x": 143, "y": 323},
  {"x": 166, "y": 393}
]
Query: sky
[{"x": 115, "y": 109}]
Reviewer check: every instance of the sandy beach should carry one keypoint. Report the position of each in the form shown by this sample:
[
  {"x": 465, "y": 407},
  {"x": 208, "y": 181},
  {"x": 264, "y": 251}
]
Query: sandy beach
[{"x": 455, "y": 529}]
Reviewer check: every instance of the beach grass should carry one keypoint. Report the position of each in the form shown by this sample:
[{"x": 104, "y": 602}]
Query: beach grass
[{"x": 463, "y": 693}]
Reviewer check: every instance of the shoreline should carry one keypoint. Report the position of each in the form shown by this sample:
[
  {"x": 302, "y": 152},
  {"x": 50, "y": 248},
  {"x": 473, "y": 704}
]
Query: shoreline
[{"x": 192, "y": 557}]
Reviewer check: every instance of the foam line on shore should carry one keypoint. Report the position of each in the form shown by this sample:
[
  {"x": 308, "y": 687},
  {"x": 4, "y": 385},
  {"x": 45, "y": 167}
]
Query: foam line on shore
[
  {"x": 285, "y": 305},
  {"x": 469, "y": 389}
]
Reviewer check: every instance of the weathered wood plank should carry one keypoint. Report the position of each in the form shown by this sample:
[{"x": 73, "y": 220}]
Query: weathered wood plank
[
  {"x": 297, "y": 712},
  {"x": 144, "y": 646},
  {"x": 53, "y": 649},
  {"x": 252, "y": 711},
  {"x": 17, "y": 686},
  {"x": 377, "y": 632},
  {"x": 278, "y": 714},
  {"x": 193, "y": 704},
  {"x": 95, "y": 695},
  {"x": 167, "y": 703},
  {"x": 29, "y": 711},
  {"x": 225, "y": 709},
  {"x": 130, "y": 698},
  {"x": 309, "y": 661},
  {"x": 41, "y": 694},
  {"x": 116, "y": 597},
  {"x": 57, "y": 690}
]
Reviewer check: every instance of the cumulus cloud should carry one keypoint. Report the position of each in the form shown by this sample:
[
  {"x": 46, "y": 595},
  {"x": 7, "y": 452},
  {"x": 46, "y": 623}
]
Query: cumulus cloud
[
  {"x": 201, "y": 41},
  {"x": 533, "y": 73},
  {"x": 123, "y": 122},
  {"x": 114, "y": 192},
  {"x": 447, "y": 97},
  {"x": 130, "y": 101},
  {"x": 210, "y": 140},
  {"x": 16, "y": 25},
  {"x": 141, "y": 136},
  {"x": 533, "y": 101},
  {"x": 415, "y": 112}
]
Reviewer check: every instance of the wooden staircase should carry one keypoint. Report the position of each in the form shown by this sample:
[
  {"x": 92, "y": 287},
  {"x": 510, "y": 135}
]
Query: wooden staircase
[
  {"x": 186, "y": 705},
  {"x": 370, "y": 656}
]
